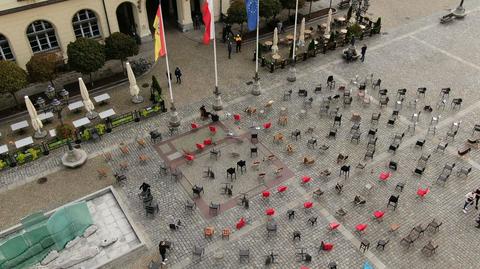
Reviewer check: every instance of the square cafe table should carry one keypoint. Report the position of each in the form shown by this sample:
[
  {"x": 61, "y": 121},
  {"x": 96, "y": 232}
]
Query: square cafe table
[
  {"x": 3, "y": 149},
  {"x": 107, "y": 113},
  {"x": 81, "y": 122},
  {"x": 19, "y": 125},
  {"x": 45, "y": 116},
  {"x": 75, "y": 105},
  {"x": 102, "y": 98},
  {"x": 23, "y": 142}
]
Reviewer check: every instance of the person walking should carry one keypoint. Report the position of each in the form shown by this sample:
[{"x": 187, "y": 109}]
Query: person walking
[
  {"x": 364, "y": 50},
  {"x": 477, "y": 220},
  {"x": 178, "y": 74},
  {"x": 238, "y": 41},
  {"x": 162, "y": 248},
  {"x": 469, "y": 197},
  {"x": 477, "y": 197},
  {"x": 229, "y": 47}
]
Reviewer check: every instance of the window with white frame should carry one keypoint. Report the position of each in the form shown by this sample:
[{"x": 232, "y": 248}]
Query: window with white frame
[
  {"x": 5, "y": 51},
  {"x": 85, "y": 24},
  {"x": 41, "y": 36}
]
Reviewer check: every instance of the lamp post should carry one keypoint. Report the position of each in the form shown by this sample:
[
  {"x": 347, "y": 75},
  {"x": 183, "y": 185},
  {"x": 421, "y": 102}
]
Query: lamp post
[
  {"x": 57, "y": 107},
  {"x": 41, "y": 103},
  {"x": 65, "y": 95},
  {"x": 292, "y": 76},
  {"x": 50, "y": 92}
]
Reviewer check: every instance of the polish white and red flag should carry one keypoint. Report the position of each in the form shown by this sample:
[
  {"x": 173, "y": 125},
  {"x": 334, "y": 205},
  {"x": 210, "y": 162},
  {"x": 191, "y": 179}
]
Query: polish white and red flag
[{"x": 208, "y": 20}]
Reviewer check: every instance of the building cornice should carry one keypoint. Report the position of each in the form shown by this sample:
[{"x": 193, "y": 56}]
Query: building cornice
[{"x": 27, "y": 7}]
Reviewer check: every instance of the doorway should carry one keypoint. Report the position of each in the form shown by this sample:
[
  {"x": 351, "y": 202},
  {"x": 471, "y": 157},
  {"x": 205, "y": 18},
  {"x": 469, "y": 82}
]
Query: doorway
[
  {"x": 169, "y": 12},
  {"x": 126, "y": 19}
]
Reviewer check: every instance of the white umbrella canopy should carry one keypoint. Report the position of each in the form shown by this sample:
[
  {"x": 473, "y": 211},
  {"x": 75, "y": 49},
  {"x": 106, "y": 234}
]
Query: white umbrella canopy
[
  {"x": 134, "y": 90},
  {"x": 37, "y": 124},
  {"x": 329, "y": 22},
  {"x": 86, "y": 99},
  {"x": 301, "y": 38},
  {"x": 275, "y": 41}
]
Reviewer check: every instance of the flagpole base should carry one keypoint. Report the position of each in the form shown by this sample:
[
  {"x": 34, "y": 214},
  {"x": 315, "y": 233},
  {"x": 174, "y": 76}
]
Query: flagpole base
[
  {"x": 459, "y": 12},
  {"x": 217, "y": 104},
  {"x": 256, "y": 90},
  {"x": 40, "y": 134},
  {"x": 137, "y": 99},
  {"x": 174, "y": 118},
  {"x": 292, "y": 74},
  {"x": 91, "y": 115}
]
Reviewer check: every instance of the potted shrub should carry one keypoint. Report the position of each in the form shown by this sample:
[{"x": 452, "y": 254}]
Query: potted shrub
[
  {"x": 3, "y": 164},
  {"x": 33, "y": 153},
  {"x": 20, "y": 158},
  {"x": 65, "y": 131},
  {"x": 86, "y": 135},
  {"x": 101, "y": 128}
]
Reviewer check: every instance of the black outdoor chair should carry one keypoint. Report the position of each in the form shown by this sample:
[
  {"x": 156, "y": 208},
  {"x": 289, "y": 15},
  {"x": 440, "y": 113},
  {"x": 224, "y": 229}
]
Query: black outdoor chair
[
  {"x": 291, "y": 214},
  {"x": 242, "y": 165},
  {"x": 244, "y": 255},
  {"x": 345, "y": 170},
  {"x": 296, "y": 134},
  {"x": 359, "y": 200},
  {"x": 213, "y": 208},
  {"x": 197, "y": 190},
  {"x": 393, "y": 201},
  {"x": 155, "y": 135},
  {"x": 429, "y": 249},
  {"x": 302, "y": 92},
  {"x": 382, "y": 243},
  {"x": 435, "y": 225},
  {"x": 231, "y": 173},
  {"x": 393, "y": 165},
  {"x": 151, "y": 210},
  {"x": 253, "y": 151}
]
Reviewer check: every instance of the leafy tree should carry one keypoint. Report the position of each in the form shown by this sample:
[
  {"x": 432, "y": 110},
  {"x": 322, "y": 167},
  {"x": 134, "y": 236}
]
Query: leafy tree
[
  {"x": 270, "y": 8},
  {"x": 156, "y": 86},
  {"x": 43, "y": 67},
  {"x": 237, "y": 13},
  {"x": 86, "y": 56},
  {"x": 119, "y": 46},
  {"x": 12, "y": 78},
  {"x": 290, "y": 4}
]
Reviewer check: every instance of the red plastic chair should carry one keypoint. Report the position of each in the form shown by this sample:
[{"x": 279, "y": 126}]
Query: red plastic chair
[
  {"x": 200, "y": 146},
  {"x": 213, "y": 129},
  {"x": 265, "y": 194},
  {"x": 304, "y": 267},
  {"x": 308, "y": 205},
  {"x": 306, "y": 179},
  {"x": 267, "y": 125},
  {"x": 361, "y": 227},
  {"x": 189, "y": 157},
  {"x": 384, "y": 176},
  {"x": 194, "y": 126},
  {"x": 240, "y": 224},
  {"x": 333, "y": 226},
  {"x": 422, "y": 192},
  {"x": 282, "y": 188},
  {"x": 207, "y": 142},
  {"x": 236, "y": 117},
  {"x": 326, "y": 246},
  {"x": 378, "y": 215},
  {"x": 270, "y": 211}
]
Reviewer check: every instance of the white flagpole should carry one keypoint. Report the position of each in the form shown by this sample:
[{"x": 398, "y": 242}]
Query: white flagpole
[
  {"x": 174, "y": 119},
  {"x": 256, "y": 86},
  {"x": 217, "y": 105},
  {"x": 293, "y": 72}
]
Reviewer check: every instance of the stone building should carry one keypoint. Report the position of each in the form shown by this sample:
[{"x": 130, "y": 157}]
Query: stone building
[{"x": 28, "y": 27}]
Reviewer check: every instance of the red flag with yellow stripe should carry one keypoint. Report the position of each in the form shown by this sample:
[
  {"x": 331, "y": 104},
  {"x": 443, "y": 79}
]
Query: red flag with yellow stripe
[{"x": 160, "y": 49}]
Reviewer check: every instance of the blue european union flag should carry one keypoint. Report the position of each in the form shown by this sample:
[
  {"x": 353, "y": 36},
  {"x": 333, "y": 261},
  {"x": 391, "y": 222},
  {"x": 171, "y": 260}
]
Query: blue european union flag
[{"x": 252, "y": 14}]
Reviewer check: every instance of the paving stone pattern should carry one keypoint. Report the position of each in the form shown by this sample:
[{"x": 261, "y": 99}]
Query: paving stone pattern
[{"x": 420, "y": 54}]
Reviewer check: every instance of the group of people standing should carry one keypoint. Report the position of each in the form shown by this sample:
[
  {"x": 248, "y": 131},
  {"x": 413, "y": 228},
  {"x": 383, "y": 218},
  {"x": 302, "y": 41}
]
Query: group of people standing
[
  {"x": 471, "y": 198},
  {"x": 228, "y": 36}
]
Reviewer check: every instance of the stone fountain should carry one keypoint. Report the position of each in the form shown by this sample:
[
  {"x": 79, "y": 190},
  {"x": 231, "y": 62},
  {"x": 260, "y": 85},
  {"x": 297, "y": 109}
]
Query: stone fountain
[{"x": 74, "y": 157}]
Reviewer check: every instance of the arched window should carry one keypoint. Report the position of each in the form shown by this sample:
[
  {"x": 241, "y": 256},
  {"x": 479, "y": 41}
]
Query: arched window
[
  {"x": 42, "y": 36},
  {"x": 5, "y": 51},
  {"x": 85, "y": 24}
]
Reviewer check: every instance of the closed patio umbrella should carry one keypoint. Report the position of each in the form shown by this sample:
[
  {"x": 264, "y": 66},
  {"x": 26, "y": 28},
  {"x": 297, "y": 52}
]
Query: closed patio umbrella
[
  {"x": 301, "y": 38},
  {"x": 329, "y": 22},
  {"x": 91, "y": 114},
  {"x": 134, "y": 90},
  {"x": 37, "y": 124},
  {"x": 275, "y": 41}
]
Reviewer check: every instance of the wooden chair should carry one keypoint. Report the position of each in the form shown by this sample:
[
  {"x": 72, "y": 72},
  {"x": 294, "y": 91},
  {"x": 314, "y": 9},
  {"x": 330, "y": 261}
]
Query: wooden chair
[
  {"x": 278, "y": 172},
  {"x": 250, "y": 110},
  {"x": 124, "y": 165},
  {"x": 107, "y": 156},
  {"x": 308, "y": 161},
  {"x": 143, "y": 158},
  {"x": 290, "y": 149},
  {"x": 208, "y": 232},
  {"x": 102, "y": 172},
  {"x": 226, "y": 233},
  {"x": 278, "y": 138},
  {"x": 141, "y": 142},
  {"x": 394, "y": 227},
  {"x": 124, "y": 148},
  {"x": 283, "y": 120}
]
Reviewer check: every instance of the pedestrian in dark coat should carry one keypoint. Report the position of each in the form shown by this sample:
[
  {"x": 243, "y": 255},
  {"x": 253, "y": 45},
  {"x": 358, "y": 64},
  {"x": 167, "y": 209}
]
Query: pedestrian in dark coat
[
  {"x": 364, "y": 50},
  {"x": 178, "y": 74},
  {"x": 229, "y": 47}
]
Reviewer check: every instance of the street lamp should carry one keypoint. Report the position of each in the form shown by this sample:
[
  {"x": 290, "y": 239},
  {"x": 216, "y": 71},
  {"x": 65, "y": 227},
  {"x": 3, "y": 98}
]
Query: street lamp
[
  {"x": 41, "y": 103},
  {"x": 65, "y": 95},
  {"x": 57, "y": 106},
  {"x": 50, "y": 92}
]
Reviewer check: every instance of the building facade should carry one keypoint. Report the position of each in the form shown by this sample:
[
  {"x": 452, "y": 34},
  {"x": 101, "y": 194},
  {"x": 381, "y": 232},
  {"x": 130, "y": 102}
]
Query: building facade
[{"x": 28, "y": 27}]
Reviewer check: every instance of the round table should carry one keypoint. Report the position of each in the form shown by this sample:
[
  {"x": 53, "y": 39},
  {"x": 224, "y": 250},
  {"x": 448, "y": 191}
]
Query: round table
[
  {"x": 326, "y": 36},
  {"x": 289, "y": 37},
  {"x": 276, "y": 57},
  {"x": 343, "y": 31},
  {"x": 362, "y": 26},
  {"x": 341, "y": 19},
  {"x": 268, "y": 43}
]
